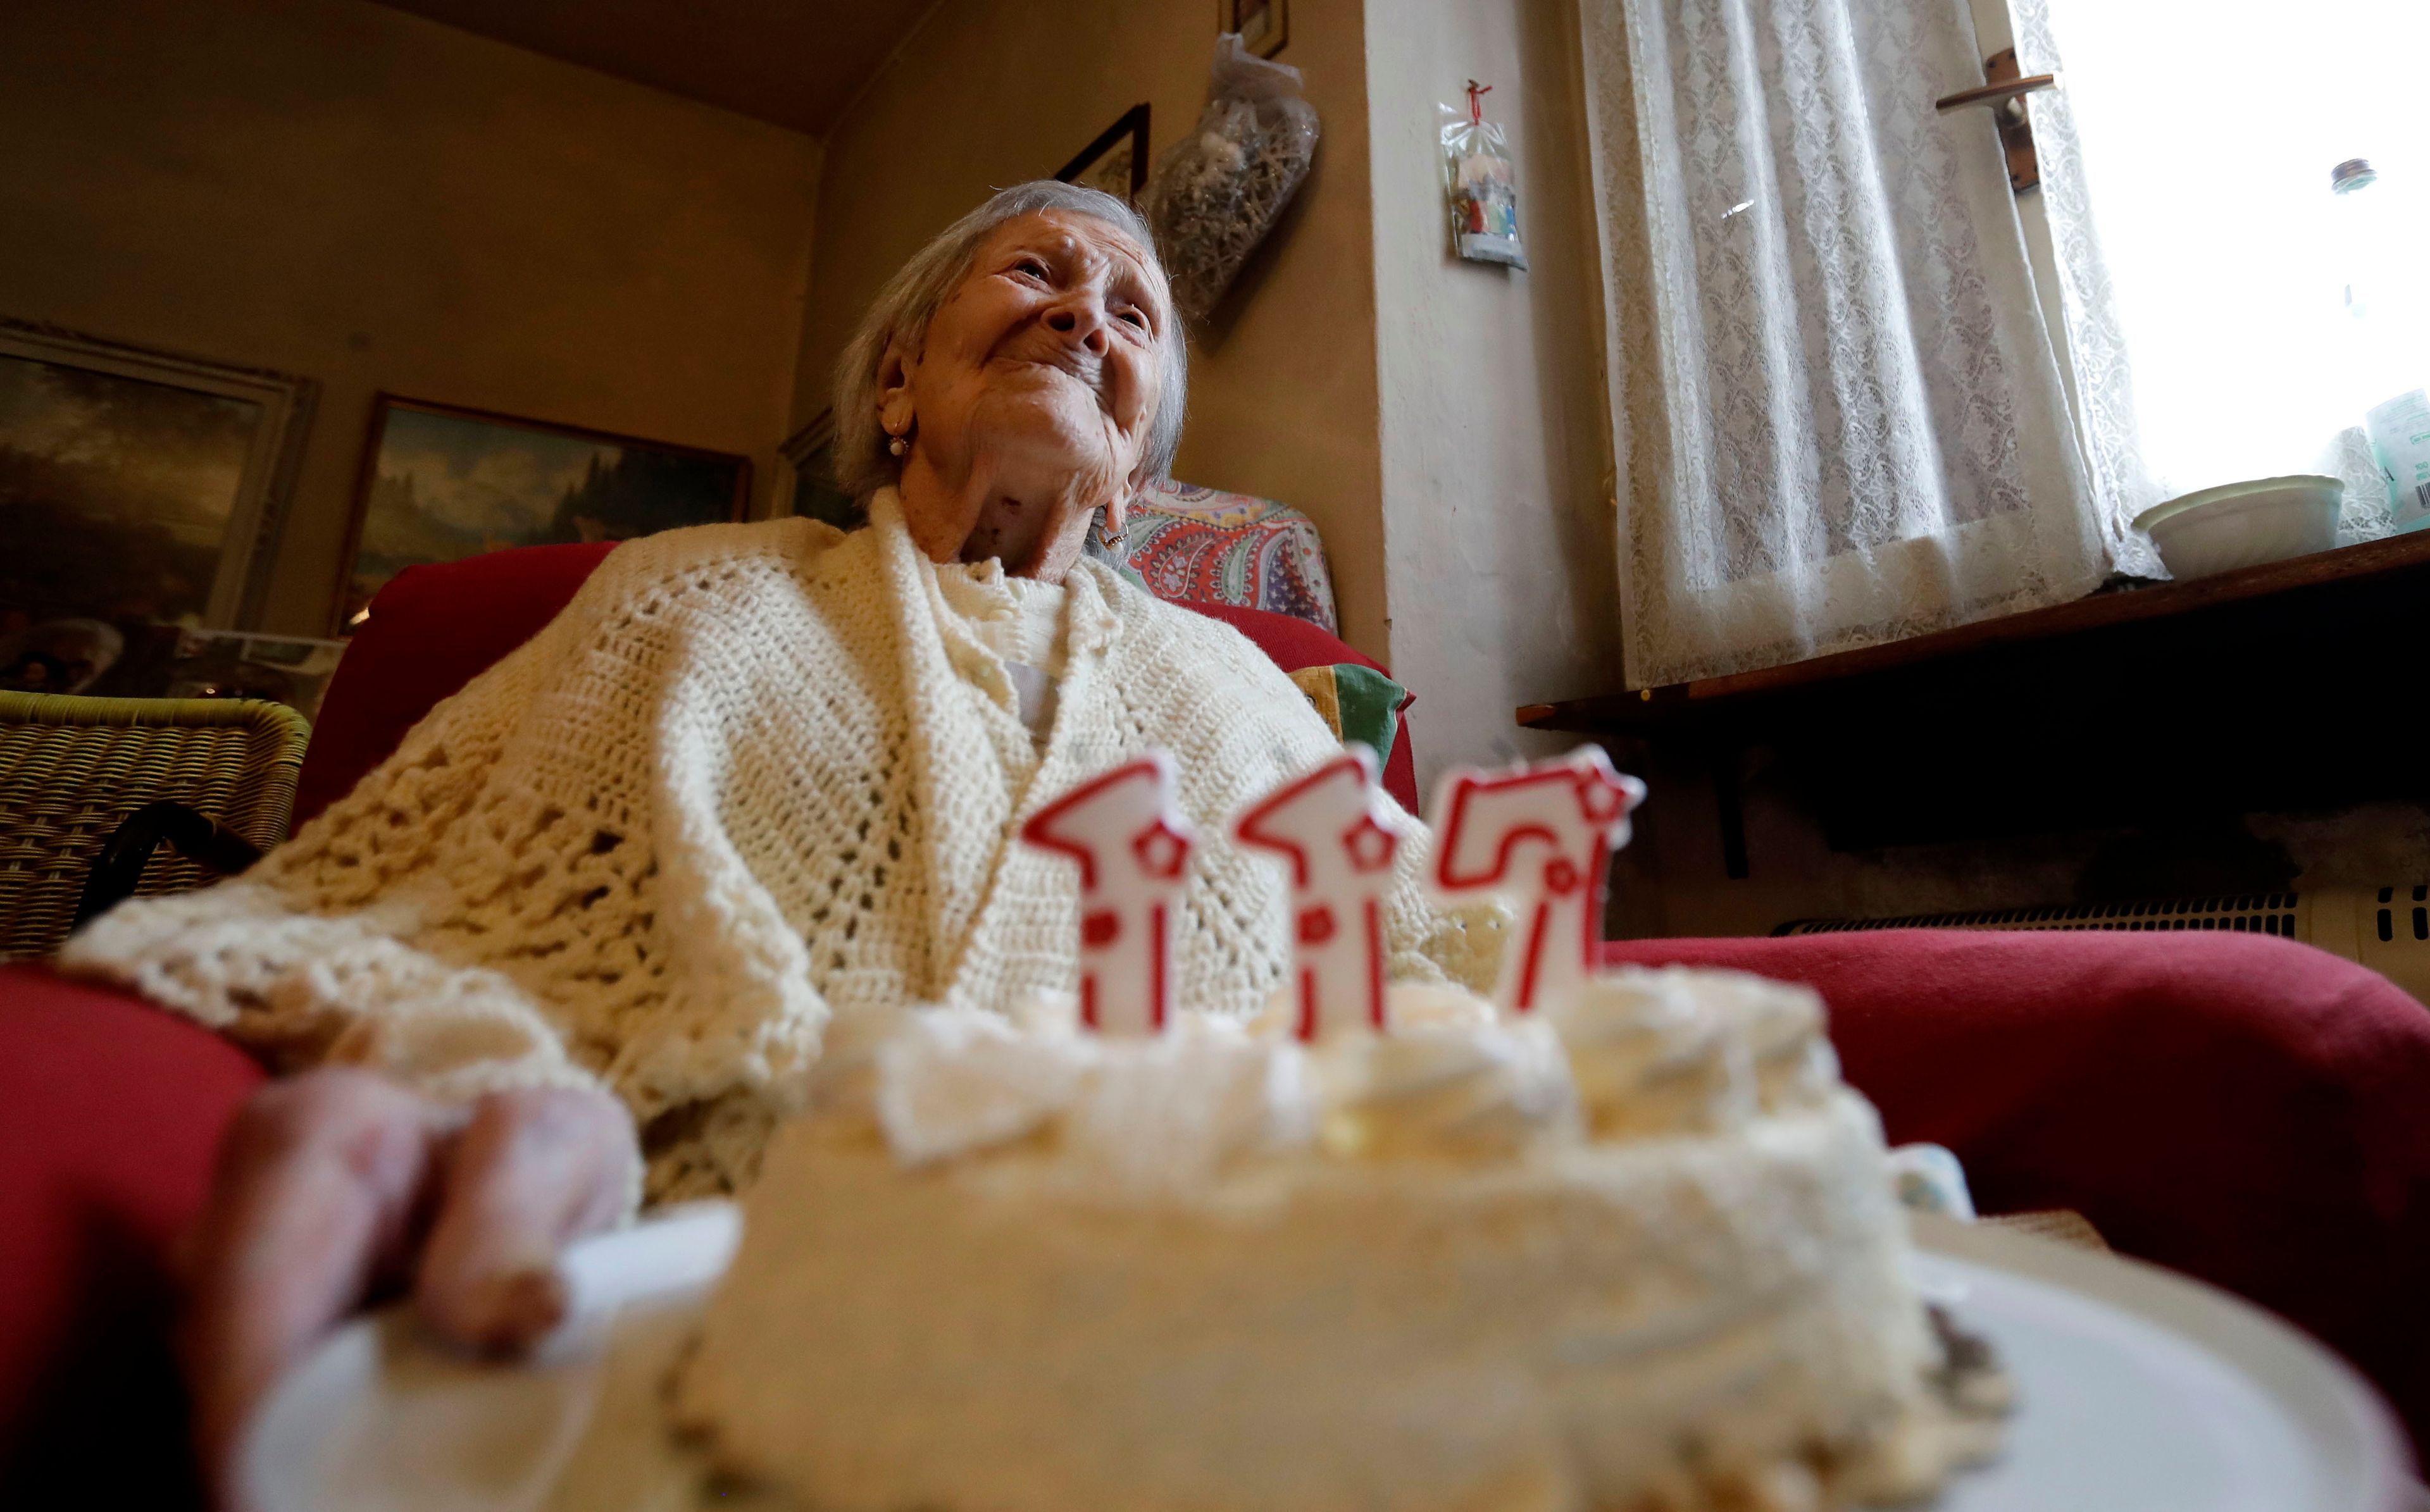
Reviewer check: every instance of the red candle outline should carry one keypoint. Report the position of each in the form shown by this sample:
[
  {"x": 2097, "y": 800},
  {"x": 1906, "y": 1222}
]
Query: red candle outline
[
  {"x": 1178, "y": 840},
  {"x": 1605, "y": 797},
  {"x": 1247, "y": 828}
]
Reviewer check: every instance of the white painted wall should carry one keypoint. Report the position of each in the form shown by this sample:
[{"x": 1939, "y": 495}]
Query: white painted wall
[{"x": 1500, "y": 576}]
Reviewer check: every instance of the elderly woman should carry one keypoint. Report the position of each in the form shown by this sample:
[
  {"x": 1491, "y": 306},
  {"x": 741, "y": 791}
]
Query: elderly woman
[{"x": 577, "y": 940}]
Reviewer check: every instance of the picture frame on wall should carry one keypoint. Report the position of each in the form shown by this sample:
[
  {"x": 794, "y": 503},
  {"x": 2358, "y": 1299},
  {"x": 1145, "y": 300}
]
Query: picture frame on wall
[
  {"x": 1116, "y": 161},
  {"x": 1264, "y": 26},
  {"x": 441, "y": 482},
  {"x": 142, "y": 493}
]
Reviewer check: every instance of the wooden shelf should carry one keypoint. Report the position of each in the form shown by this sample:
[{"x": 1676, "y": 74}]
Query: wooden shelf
[
  {"x": 1632, "y": 712},
  {"x": 2287, "y": 685}
]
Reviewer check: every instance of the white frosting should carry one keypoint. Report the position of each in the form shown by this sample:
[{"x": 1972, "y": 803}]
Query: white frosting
[
  {"x": 1434, "y": 1005},
  {"x": 1171, "y": 1114},
  {"x": 1651, "y": 1054},
  {"x": 1485, "y": 1090},
  {"x": 843, "y": 1084},
  {"x": 956, "y": 1080},
  {"x": 1173, "y": 1111},
  {"x": 1401, "y": 1272},
  {"x": 1134, "y": 1114},
  {"x": 1783, "y": 1022}
]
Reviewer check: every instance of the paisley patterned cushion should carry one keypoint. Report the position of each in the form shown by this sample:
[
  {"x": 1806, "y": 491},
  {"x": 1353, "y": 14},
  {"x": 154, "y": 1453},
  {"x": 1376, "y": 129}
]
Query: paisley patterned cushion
[{"x": 1202, "y": 546}]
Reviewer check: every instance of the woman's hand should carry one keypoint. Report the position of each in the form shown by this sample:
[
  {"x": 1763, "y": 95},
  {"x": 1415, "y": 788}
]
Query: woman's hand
[{"x": 336, "y": 1185}]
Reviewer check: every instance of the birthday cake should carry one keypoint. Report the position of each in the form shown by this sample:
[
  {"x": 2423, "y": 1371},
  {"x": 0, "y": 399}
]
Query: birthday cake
[{"x": 1633, "y": 1247}]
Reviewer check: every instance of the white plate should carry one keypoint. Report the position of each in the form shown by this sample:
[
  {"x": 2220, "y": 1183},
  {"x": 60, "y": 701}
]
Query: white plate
[
  {"x": 2137, "y": 1387},
  {"x": 2138, "y": 1391}
]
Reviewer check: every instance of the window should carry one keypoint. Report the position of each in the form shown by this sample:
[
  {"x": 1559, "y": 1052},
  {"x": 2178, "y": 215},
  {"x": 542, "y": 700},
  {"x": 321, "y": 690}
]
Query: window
[{"x": 2206, "y": 132}]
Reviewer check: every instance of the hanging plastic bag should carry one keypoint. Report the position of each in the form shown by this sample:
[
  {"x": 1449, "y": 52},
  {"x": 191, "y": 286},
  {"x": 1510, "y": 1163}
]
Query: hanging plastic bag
[
  {"x": 1217, "y": 192},
  {"x": 1480, "y": 184}
]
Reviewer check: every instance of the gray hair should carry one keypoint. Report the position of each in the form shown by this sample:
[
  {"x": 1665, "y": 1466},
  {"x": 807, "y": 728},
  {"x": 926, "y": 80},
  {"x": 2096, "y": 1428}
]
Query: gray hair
[{"x": 910, "y": 300}]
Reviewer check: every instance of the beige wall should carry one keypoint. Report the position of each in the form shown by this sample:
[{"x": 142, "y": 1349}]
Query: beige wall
[
  {"x": 335, "y": 189},
  {"x": 1499, "y": 543},
  {"x": 990, "y": 92}
]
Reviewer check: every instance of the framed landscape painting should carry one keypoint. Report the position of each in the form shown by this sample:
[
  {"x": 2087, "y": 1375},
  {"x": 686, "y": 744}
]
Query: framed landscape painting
[
  {"x": 442, "y": 483},
  {"x": 140, "y": 494}
]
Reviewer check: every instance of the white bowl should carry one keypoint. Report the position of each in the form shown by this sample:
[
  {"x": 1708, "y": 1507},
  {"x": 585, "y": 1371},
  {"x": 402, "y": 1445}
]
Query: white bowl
[{"x": 2244, "y": 524}]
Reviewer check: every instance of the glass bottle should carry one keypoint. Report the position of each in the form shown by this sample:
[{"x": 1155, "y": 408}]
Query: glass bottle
[{"x": 2388, "y": 350}]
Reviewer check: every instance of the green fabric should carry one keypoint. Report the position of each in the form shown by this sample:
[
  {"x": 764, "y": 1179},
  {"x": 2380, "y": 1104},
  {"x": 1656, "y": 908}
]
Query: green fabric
[{"x": 1370, "y": 706}]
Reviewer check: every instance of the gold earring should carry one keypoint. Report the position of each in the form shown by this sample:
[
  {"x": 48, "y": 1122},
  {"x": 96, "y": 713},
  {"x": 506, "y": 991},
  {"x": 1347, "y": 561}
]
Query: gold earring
[{"x": 898, "y": 446}]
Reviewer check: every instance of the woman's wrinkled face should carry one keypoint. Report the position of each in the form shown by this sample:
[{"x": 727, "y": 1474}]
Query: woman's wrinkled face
[{"x": 1029, "y": 403}]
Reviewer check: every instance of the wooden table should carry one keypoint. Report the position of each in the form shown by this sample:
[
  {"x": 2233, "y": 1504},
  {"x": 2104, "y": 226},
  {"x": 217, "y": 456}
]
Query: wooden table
[{"x": 2291, "y": 686}]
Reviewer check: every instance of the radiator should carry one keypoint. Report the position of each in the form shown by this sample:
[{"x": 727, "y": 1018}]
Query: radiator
[{"x": 2387, "y": 929}]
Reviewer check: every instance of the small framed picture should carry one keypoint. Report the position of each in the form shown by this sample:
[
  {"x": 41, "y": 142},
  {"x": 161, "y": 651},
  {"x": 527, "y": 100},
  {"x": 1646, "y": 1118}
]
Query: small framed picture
[
  {"x": 440, "y": 483},
  {"x": 1117, "y": 161},
  {"x": 141, "y": 492},
  {"x": 1264, "y": 26}
]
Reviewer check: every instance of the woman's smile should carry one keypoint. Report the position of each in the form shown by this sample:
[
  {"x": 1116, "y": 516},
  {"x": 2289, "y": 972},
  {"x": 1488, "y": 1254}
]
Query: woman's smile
[{"x": 1060, "y": 359}]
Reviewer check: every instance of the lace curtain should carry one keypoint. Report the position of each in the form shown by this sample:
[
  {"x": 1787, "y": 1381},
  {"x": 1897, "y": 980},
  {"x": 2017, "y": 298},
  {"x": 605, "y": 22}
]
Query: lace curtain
[{"x": 1837, "y": 413}]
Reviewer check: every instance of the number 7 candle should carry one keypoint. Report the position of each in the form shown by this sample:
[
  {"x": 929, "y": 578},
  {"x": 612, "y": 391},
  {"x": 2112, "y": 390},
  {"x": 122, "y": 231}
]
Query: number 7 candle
[
  {"x": 1333, "y": 829},
  {"x": 1133, "y": 846},
  {"x": 1538, "y": 837}
]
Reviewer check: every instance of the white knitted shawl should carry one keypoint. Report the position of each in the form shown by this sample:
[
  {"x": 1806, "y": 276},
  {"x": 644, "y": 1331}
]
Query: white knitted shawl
[{"x": 736, "y": 786}]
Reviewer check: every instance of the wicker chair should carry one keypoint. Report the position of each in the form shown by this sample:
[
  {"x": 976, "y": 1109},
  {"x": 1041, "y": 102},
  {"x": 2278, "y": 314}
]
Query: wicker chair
[{"x": 73, "y": 769}]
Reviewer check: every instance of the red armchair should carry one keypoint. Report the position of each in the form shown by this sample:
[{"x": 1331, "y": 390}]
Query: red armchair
[{"x": 2239, "y": 1107}]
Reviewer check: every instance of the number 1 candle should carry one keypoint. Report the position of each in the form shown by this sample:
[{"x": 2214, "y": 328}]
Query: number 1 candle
[
  {"x": 1332, "y": 828},
  {"x": 1133, "y": 846},
  {"x": 1538, "y": 837}
]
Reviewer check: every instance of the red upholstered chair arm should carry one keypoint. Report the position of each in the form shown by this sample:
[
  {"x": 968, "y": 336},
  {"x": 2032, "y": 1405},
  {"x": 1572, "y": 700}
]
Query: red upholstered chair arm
[
  {"x": 110, "y": 1112},
  {"x": 432, "y": 631}
]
